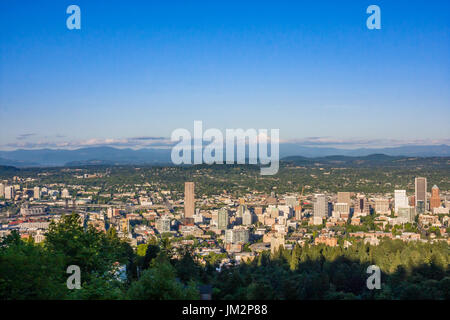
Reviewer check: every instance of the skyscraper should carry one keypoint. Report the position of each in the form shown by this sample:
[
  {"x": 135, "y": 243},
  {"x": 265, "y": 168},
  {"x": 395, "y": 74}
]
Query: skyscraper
[
  {"x": 36, "y": 193},
  {"x": 240, "y": 211},
  {"x": 2, "y": 190},
  {"x": 400, "y": 199},
  {"x": 247, "y": 218},
  {"x": 421, "y": 194},
  {"x": 222, "y": 219},
  {"x": 9, "y": 192},
  {"x": 344, "y": 197},
  {"x": 320, "y": 206},
  {"x": 189, "y": 201},
  {"x": 435, "y": 200},
  {"x": 362, "y": 206}
]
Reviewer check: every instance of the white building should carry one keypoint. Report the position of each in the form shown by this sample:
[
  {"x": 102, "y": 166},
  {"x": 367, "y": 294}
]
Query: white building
[
  {"x": 9, "y": 192},
  {"x": 320, "y": 206},
  {"x": 401, "y": 200}
]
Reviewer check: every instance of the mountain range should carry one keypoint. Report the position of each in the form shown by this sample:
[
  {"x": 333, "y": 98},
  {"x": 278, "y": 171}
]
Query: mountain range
[{"x": 111, "y": 156}]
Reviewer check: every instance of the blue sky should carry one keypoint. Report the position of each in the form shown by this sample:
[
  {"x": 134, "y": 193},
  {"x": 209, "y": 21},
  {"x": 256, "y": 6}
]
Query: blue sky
[{"x": 144, "y": 68}]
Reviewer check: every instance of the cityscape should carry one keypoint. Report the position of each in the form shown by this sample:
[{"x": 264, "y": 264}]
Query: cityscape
[
  {"x": 220, "y": 229},
  {"x": 224, "y": 159}
]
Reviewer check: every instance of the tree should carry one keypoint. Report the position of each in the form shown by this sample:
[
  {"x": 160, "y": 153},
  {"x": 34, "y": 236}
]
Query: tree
[{"x": 159, "y": 283}]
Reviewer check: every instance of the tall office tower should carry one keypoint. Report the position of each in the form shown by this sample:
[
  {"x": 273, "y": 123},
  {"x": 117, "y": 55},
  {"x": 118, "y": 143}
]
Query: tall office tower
[
  {"x": 401, "y": 200},
  {"x": 344, "y": 197},
  {"x": 362, "y": 206},
  {"x": 435, "y": 200},
  {"x": 222, "y": 219},
  {"x": 9, "y": 192},
  {"x": 247, "y": 218},
  {"x": 2, "y": 190},
  {"x": 189, "y": 201},
  {"x": 240, "y": 211},
  {"x": 320, "y": 206},
  {"x": 421, "y": 194},
  {"x": 298, "y": 212},
  {"x": 36, "y": 193}
]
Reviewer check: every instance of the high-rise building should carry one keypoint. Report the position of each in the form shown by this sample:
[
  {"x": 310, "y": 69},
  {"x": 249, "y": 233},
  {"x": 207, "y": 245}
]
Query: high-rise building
[
  {"x": 406, "y": 214},
  {"x": 240, "y": 211},
  {"x": 298, "y": 212},
  {"x": 344, "y": 197},
  {"x": 9, "y": 192},
  {"x": 189, "y": 200},
  {"x": 2, "y": 190},
  {"x": 362, "y": 207},
  {"x": 400, "y": 199},
  {"x": 382, "y": 206},
  {"x": 163, "y": 224},
  {"x": 435, "y": 200},
  {"x": 36, "y": 193},
  {"x": 222, "y": 219},
  {"x": 341, "y": 210},
  {"x": 237, "y": 235},
  {"x": 247, "y": 218},
  {"x": 320, "y": 206},
  {"x": 421, "y": 194}
]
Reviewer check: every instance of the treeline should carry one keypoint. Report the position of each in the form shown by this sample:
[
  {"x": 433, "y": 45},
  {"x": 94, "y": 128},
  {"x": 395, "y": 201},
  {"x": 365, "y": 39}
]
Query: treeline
[{"x": 156, "y": 271}]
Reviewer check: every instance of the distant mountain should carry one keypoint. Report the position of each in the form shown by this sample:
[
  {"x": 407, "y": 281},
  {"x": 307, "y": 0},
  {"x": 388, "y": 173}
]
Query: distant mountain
[
  {"x": 292, "y": 149},
  {"x": 17, "y": 163},
  {"x": 60, "y": 157},
  {"x": 109, "y": 156}
]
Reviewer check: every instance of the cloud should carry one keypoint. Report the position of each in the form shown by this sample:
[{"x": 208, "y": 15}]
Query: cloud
[
  {"x": 134, "y": 142},
  {"x": 25, "y": 136},
  {"x": 166, "y": 143}
]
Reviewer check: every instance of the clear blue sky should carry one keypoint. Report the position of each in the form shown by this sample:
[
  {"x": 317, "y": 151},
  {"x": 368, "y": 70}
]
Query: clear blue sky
[{"x": 138, "y": 69}]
